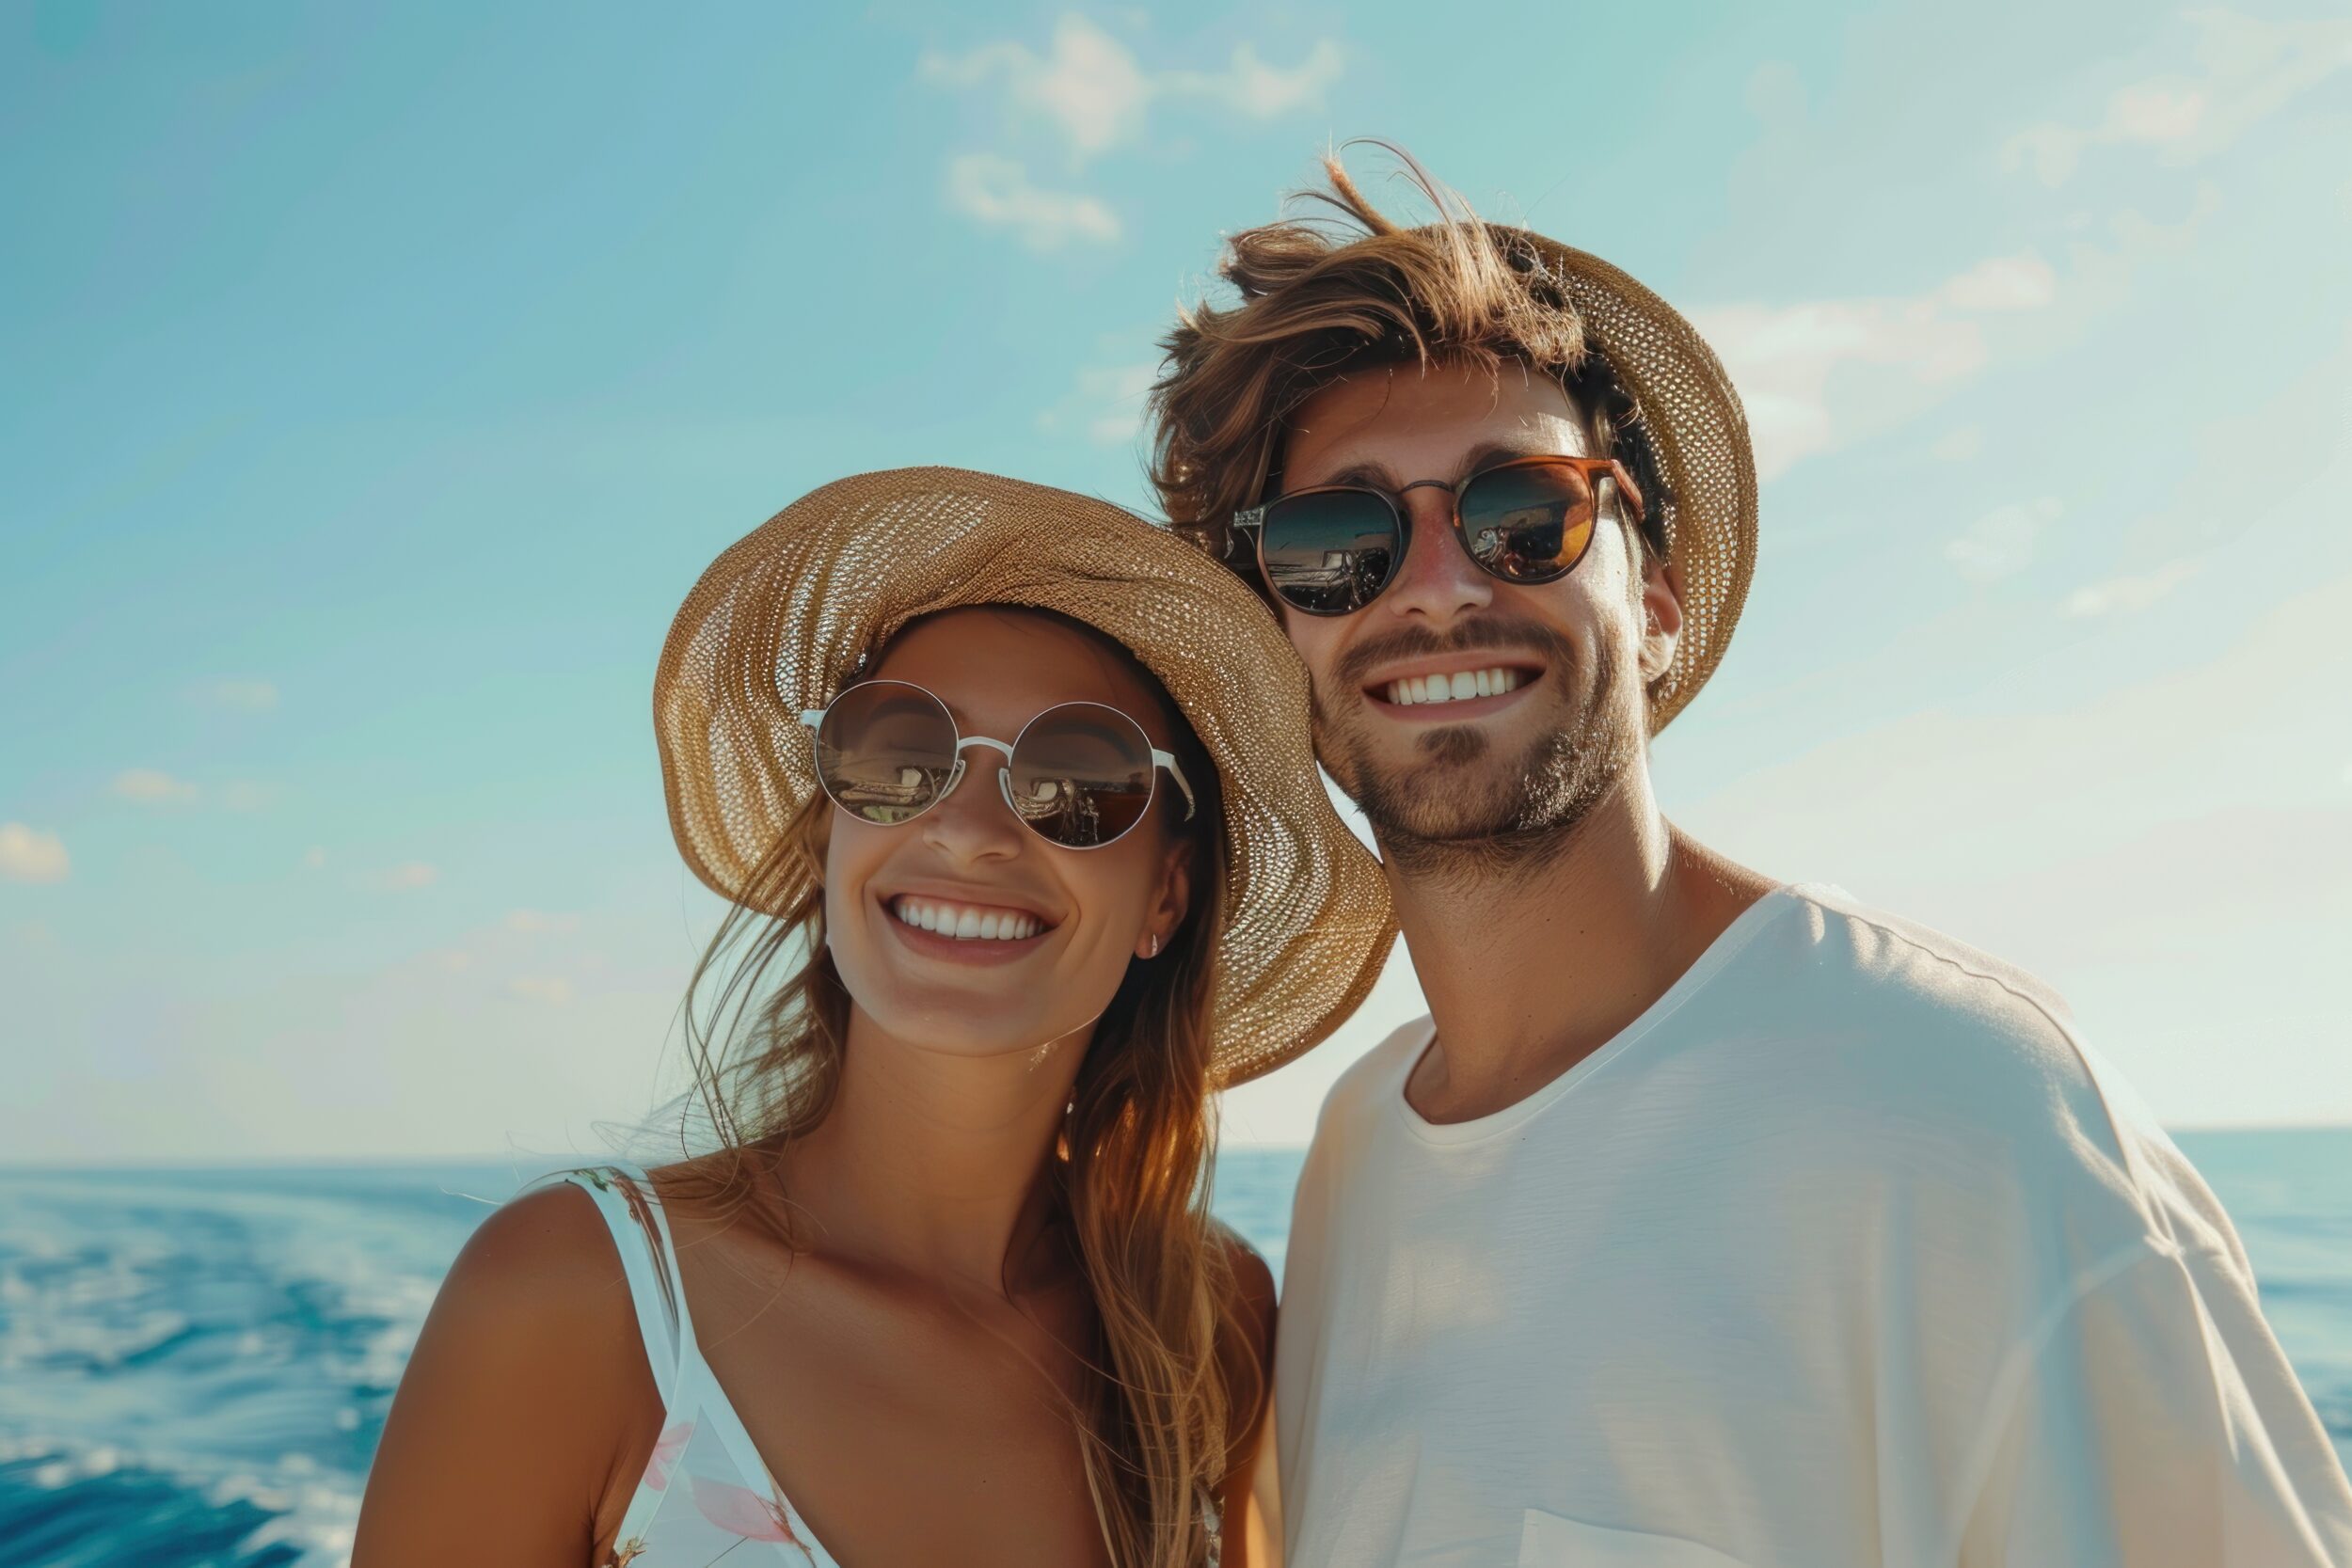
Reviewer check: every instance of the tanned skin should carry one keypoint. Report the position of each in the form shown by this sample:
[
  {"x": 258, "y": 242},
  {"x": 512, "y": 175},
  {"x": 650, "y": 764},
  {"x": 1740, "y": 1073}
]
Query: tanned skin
[
  {"x": 905, "y": 1374},
  {"x": 1545, "y": 900}
]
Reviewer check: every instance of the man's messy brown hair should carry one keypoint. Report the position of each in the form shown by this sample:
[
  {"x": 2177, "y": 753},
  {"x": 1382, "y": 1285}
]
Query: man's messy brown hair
[{"x": 1343, "y": 289}]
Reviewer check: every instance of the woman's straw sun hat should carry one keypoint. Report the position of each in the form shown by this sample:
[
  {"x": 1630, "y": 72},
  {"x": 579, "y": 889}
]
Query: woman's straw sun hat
[{"x": 785, "y": 616}]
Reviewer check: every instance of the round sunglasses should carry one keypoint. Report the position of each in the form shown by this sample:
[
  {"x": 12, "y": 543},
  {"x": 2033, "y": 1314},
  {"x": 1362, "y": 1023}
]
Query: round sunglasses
[
  {"x": 1079, "y": 775},
  {"x": 1332, "y": 549}
]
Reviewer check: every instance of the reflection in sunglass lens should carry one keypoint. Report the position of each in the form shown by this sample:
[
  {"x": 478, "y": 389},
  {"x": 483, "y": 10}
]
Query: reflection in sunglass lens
[
  {"x": 1080, "y": 774},
  {"x": 1330, "y": 552},
  {"x": 885, "y": 751},
  {"x": 1529, "y": 523}
]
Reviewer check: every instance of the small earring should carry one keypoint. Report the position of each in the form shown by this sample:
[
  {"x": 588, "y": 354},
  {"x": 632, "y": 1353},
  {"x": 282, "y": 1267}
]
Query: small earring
[{"x": 1155, "y": 946}]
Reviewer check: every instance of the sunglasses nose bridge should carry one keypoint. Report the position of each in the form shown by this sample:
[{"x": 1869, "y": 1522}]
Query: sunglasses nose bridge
[
  {"x": 1004, "y": 766},
  {"x": 1437, "y": 576}
]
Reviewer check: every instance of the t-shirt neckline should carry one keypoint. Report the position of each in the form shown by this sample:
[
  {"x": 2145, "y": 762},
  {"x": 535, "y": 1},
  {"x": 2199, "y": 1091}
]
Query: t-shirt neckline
[{"x": 1743, "y": 929}]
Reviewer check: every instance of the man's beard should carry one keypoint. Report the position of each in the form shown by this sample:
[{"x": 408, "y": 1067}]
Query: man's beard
[{"x": 1463, "y": 809}]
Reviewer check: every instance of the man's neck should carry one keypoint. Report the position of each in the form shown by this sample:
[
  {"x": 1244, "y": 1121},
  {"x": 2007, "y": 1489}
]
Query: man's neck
[{"x": 1533, "y": 962}]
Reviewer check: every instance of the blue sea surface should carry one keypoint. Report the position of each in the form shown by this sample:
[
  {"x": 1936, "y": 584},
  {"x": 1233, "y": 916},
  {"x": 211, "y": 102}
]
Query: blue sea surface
[{"x": 195, "y": 1365}]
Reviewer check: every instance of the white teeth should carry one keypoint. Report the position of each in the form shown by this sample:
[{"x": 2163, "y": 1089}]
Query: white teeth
[
  {"x": 1458, "y": 686},
  {"x": 966, "y": 924}
]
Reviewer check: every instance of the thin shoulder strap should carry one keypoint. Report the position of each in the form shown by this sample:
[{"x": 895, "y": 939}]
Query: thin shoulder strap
[{"x": 641, "y": 1234}]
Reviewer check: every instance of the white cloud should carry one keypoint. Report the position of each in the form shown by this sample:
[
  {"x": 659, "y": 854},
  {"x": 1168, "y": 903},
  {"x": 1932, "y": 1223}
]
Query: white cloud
[
  {"x": 249, "y": 695},
  {"x": 2245, "y": 70},
  {"x": 1818, "y": 374},
  {"x": 150, "y": 785},
  {"x": 1096, "y": 95},
  {"x": 2001, "y": 542},
  {"x": 2023, "y": 282},
  {"x": 1980, "y": 792},
  {"x": 541, "y": 988},
  {"x": 1088, "y": 85},
  {"x": 1106, "y": 404},
  {"x": 2129, "y": 592},
  {"x": 1092, "y": 89},
  {"x": 404, "y": 877},
  {"x": 540, "y": 923},
  {"x": 996, "y": 190},
  {"x": 27, "y": 855},
  {"x": 1250, "y": 86}
]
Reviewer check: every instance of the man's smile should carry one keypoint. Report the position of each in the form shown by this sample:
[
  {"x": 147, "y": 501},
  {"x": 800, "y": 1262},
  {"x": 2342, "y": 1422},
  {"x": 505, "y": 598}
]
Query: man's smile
[{"x": 1453, "y": 688}]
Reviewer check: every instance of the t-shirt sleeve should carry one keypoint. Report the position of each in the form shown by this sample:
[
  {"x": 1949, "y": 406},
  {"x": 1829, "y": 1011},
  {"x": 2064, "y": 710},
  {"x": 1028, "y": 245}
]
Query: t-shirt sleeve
[{"x": 2151, "y": 1420}]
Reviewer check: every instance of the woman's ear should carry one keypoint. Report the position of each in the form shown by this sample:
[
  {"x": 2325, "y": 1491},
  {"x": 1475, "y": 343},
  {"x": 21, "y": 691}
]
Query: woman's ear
[{"x": 1170, "y": 902}]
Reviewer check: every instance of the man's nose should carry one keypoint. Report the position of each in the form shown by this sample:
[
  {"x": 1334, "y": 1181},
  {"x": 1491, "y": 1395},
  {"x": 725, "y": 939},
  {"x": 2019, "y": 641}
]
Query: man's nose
[{"x": 1438, "y": 581}]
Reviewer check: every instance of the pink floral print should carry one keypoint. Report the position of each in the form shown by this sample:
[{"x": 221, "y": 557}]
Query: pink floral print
[
  {"x": 748, "y": 1513},
  {"x": 666, "y": 1450}
]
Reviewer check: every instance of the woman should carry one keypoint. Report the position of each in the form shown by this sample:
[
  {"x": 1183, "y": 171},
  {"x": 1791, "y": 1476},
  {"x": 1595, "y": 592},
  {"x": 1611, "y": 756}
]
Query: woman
[{"x": 1013, "y": 798}]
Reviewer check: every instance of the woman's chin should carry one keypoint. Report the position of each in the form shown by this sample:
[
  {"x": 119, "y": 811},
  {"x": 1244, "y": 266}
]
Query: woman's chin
[{"x": 973, "y": 1022}]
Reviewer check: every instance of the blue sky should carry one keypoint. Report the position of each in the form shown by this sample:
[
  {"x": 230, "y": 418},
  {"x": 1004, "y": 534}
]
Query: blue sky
[{"x": 378, "y": 386}]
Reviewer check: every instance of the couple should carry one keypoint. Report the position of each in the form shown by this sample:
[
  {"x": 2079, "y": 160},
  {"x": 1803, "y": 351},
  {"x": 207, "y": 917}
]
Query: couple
[{"x": 1707, "y": 1221}]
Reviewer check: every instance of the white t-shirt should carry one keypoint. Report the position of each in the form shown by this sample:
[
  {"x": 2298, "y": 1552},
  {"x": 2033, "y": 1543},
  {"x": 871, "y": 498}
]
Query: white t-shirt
[{"x": 1844, "y": 1252}]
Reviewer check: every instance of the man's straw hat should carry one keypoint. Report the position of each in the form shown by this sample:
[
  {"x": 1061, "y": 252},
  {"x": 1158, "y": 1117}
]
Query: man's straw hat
[{"x": 1693, "y": 415}]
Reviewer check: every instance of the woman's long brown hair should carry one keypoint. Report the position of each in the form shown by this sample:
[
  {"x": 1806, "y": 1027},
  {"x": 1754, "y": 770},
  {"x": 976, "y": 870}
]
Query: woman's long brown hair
[{"x": 1169, "y": 1370}]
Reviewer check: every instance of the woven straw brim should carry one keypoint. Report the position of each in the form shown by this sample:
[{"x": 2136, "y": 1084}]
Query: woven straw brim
[
  {"x": 779, "y": 622},
  {"x": 1701, "y": 431}
]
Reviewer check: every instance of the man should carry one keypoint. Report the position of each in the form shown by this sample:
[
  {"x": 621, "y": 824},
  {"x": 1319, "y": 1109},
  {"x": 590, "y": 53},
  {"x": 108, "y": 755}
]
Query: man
[{"x": 1704, "y": 1221}]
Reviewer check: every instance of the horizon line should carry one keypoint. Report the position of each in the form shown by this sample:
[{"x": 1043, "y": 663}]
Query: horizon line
[{"x": 556, "y": 1161}]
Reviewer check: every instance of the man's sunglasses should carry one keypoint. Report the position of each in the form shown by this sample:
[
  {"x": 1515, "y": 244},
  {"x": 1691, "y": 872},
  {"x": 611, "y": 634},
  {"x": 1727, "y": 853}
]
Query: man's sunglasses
[
  {"x": 1334, "y": 548},
  {"x": 1079, "y": 774}
]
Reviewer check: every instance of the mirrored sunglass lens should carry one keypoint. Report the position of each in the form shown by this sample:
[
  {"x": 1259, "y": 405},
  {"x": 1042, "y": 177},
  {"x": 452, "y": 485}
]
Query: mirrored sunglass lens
[
  {"x": 1528, "y": 523},
  {"x": 885, "y": 751},
  {"x": 1329, "y": 553},
  {"x": 1081, "y": 775}
]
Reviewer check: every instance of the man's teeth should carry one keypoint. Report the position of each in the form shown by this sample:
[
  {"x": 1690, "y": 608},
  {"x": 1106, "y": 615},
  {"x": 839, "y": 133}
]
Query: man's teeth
[
  {"x": 966, "y": 922},
  {"x": 1458, "y": 686}
]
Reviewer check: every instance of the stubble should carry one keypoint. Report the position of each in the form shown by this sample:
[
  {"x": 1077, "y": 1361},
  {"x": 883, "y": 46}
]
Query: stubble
[{"x": 1464, "y": 812}]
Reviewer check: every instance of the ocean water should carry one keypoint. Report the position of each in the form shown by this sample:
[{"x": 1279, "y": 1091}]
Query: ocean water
[{"x": 195, "y": 1365}]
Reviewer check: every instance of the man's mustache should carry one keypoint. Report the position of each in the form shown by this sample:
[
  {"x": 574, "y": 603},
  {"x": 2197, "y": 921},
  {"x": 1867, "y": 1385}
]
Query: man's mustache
[{"x": 1502, "y": 634}]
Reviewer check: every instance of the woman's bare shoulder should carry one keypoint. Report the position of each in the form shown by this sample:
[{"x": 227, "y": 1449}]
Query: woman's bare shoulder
[
  {"x": 538, "y": 1304},
  {"x": 527, "y": 1393},
  {"x": 545, "y": 1260}
]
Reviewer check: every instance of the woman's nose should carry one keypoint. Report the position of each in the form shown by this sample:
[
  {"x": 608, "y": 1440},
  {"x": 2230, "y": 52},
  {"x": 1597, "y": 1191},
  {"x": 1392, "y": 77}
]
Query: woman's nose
[{"x": 974, "y": 823}]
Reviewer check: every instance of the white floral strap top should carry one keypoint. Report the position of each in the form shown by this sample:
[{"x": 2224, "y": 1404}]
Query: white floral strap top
[
  {"x": 706, "y": 1496},
  {"x": 706, "y": 1493}
]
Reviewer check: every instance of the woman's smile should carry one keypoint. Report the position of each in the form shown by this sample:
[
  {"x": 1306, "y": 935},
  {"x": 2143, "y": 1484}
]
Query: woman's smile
[{"x": 962, "y": 931}]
